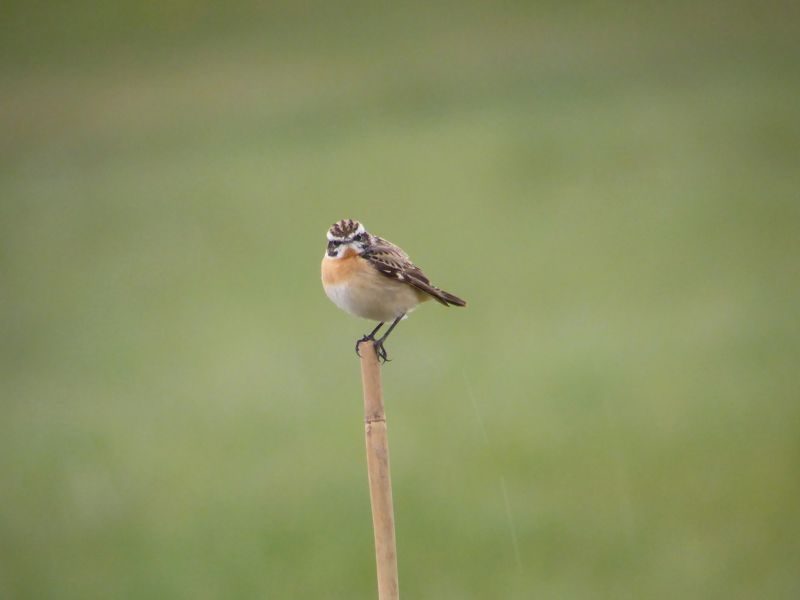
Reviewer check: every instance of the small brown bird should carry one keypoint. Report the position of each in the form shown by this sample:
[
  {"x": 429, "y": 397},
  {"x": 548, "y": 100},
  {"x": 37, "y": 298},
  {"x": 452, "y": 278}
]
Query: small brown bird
[{"x": 372, "y": 278}]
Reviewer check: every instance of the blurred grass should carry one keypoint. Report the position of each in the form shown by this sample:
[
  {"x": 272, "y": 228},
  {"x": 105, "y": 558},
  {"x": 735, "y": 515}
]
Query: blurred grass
[{"x": 612, "y": 187}]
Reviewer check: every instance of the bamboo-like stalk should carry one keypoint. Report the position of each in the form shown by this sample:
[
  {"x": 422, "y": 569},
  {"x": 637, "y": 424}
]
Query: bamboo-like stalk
[{"x": 380, "y": 481}]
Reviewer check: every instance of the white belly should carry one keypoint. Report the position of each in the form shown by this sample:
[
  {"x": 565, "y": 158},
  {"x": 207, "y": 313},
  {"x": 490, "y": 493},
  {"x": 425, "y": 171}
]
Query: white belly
[{"x": 373, "y": 299}]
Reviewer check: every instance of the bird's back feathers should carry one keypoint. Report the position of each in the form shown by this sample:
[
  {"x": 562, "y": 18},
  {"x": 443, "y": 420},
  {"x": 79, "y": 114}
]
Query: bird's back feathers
[{"x": 392, "y": 262}]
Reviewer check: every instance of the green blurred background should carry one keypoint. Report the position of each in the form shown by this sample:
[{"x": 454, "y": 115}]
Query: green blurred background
[{"x": 613, "y": 187}]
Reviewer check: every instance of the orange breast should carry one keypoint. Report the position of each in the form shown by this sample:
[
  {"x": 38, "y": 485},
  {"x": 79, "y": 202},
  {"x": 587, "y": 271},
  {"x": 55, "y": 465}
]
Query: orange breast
[{"x": 339, "y": 270}]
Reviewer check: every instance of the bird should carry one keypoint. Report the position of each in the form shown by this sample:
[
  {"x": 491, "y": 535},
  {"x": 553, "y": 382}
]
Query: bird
[{"x": 370, "y": 277}]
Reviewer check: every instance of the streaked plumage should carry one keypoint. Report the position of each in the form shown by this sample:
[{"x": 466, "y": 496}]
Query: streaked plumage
[{"x": 370, "y": 277}]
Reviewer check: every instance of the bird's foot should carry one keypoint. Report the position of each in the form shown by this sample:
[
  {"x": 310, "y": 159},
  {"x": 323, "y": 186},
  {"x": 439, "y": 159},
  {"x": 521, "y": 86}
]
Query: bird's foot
[
  {"x": 363, "y": 338},
  {"x": 383, "y": 356},
  {"x": 381, "y": 351},
  {"x": 368, "y": 337}
]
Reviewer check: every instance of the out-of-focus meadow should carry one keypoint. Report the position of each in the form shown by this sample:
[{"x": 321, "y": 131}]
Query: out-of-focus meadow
[{"x": 614, "y": 188}]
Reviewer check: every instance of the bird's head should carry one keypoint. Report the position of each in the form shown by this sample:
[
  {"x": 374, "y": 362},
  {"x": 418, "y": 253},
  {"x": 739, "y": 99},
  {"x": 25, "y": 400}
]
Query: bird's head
[{"x": 346, "y": 237}]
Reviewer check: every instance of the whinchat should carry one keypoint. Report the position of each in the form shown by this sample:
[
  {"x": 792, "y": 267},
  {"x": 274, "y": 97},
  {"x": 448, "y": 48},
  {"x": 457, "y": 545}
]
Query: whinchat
[{"x": 372, "y": 278}]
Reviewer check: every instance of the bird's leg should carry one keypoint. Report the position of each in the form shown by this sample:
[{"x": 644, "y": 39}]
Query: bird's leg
[
  {"x": 367, "y": 337},
  {"x": 379, "y": 349}
]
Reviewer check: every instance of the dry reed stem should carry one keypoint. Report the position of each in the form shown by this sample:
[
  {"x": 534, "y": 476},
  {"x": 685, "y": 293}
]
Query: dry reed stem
[{"x": 380, "y": 482}]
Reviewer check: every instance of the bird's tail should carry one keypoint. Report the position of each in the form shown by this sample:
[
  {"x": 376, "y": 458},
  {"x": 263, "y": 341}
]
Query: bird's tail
[
  {"x": 442, "y": 297},
  {"x": 450, "y": 299}
]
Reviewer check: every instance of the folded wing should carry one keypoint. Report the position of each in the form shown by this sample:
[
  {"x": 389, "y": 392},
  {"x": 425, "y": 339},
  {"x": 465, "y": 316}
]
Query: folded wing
[{"x": 392, "y": 262}]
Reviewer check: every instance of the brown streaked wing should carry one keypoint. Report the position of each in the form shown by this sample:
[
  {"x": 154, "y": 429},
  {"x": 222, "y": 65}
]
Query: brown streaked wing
[
  {"x": 394, "y": 263},
  {"x": 387, "y": 258}
]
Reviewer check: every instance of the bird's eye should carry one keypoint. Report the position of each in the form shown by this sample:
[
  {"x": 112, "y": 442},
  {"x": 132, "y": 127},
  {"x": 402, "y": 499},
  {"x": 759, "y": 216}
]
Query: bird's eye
[{"x": 359, "y": 237}]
